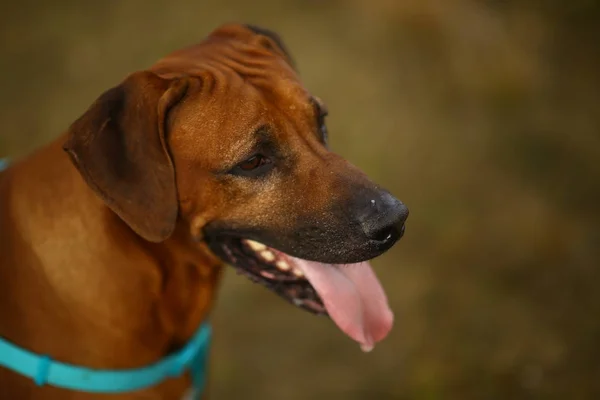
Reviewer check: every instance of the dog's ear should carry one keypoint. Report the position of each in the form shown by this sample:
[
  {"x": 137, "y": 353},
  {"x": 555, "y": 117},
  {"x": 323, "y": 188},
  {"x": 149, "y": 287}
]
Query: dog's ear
[
  {"x": 119, "y": 147},
  {"x": 275, "y": 40}
]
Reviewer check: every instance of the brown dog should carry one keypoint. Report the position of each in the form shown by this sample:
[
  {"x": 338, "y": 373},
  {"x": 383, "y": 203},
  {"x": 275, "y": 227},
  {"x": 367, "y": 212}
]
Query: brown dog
[{"x": 112, "y": 251}]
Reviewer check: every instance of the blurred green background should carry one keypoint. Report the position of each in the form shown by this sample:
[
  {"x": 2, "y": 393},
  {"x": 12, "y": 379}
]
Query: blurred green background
[{"x": 482, "y": 116}]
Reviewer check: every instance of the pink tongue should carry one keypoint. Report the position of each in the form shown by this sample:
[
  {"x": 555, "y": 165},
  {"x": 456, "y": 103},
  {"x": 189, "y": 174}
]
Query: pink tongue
[{"x": 353, "y": 297}]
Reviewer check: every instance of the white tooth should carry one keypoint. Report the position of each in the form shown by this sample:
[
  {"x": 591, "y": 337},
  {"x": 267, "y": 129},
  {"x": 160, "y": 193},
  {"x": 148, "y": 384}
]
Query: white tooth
[
  {"x": 267, "y": 255},
  {"x": 256, "y": 246},
  {"x": 282, "y": 265},
  {"x": 298, "y": 302},
  {"x": 298, "y": 272}
]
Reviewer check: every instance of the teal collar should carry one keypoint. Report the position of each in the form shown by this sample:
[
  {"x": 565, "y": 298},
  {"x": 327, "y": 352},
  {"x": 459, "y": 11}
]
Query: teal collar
[{"x": 43, "y": 370}]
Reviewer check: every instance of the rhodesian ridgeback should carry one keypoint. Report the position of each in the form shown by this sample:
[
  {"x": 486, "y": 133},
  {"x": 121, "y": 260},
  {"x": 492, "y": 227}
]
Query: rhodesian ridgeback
[{"x": 114, "y": 236}]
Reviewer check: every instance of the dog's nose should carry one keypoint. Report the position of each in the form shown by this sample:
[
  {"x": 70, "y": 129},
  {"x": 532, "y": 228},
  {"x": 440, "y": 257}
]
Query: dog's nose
[{"x": 383, "y": 217}]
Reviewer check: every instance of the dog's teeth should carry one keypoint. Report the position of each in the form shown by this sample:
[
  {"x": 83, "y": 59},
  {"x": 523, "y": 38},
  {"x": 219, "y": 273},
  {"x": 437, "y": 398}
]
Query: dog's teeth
[
  {"x": 282, "y": 265},
  {"x": 298, "y": 302},
  {"x": 267, "y": 255},
  {"x": 298, "y": 273},
  {"x": 256, "y": 246}
]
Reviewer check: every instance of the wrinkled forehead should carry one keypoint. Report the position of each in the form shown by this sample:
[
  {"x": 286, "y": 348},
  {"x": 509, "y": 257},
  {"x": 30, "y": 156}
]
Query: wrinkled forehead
[
  {"x": 234, "y": 52},
  {"x": 232, "y": 47},
  {"x": 240, "y": 87},
  {"x": 228, "y": 116}
]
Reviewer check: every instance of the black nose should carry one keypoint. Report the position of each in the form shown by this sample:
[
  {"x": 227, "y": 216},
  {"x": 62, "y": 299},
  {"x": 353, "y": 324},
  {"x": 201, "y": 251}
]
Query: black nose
[{"x": 382, "y": 217}]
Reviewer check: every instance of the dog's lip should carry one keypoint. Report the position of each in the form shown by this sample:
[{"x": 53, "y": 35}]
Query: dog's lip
[{"x": 365, "y": 250}]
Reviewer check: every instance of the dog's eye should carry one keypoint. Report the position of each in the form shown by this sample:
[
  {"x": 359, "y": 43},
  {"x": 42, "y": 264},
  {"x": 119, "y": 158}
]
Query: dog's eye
[
  {"x": 253, "y": 166},
  {"x": 253, "y": 162}
]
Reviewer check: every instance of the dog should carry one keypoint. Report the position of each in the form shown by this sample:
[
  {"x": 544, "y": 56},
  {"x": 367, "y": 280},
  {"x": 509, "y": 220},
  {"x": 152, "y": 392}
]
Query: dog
[{"x": 114, "y": 236}]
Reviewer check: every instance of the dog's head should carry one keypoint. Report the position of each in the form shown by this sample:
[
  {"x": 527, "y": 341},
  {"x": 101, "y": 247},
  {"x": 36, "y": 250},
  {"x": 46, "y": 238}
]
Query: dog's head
[{"x": 223, "y": 138}]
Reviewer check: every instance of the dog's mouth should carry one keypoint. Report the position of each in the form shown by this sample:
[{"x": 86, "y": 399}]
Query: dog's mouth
[
  {"x": 273, "y": 269},
  {"x": 349, "y": 293}
]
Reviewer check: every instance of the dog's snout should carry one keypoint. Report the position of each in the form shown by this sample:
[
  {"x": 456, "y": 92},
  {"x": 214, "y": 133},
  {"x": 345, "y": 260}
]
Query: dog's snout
[{"x": 382, "y": 218}]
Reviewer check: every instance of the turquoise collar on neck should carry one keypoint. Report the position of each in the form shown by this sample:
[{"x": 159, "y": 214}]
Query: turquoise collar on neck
[{"x": 45, "y": 371}]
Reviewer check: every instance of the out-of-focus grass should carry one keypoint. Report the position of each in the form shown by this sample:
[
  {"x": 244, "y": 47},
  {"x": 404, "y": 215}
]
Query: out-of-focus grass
[{"x": 482, "y": 116}]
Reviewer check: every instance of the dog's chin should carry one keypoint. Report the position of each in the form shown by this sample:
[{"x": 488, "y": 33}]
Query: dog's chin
[{"x": 283, "y": 273}]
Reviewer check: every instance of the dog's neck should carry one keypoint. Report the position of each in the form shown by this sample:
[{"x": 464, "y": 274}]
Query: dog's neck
[
  {"x": 190, "y": 276},
  {"x": 117, "y": 301}
]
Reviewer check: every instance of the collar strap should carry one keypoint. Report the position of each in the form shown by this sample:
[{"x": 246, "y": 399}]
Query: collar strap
[{"x": 43, "y": 370}]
